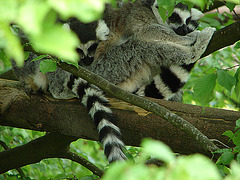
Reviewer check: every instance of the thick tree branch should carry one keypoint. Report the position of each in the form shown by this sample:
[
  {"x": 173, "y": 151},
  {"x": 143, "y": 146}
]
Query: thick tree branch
[
  {"x": 20, "y": 171},
  {"x": 48, "y": 146},
  {"x": 70, "y": 118},
  {"x": 223, "y": 38},
  {"x": 51, "y": 145}
]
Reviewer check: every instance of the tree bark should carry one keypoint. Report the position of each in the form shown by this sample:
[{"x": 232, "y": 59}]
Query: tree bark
[{"x": 69, "y": 117}]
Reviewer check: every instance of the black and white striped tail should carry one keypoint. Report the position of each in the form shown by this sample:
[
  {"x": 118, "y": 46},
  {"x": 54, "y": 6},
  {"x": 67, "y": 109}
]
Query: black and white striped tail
[
  {"x": 168, "y": 83},
  {"x": 96, "y": 103}
]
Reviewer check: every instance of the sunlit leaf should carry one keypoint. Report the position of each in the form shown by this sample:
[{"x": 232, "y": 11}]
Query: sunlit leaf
[
  {"x": 234, "y": 1},
  {"x": 56, "y": 41},
  {"x": 39, "y": 57},
  {"x": 235, "y": 169},
  {"x": 158, "y": 149},
  {"x": 32, "y": 14},
  {"x": 48, "y": 65},
  {"x": 11, "y": 44},
  {"x": 85, "y": 10},
  {"x": 8, "y": 10},
  {"x": 194, "y": 167}
]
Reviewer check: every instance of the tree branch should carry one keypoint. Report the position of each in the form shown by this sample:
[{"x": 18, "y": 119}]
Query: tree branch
[
  {"x": 224, "y": 37},
  {"x": 47, "y": 146},
  {"x": 51, "y": 145},
  {"x": 76, "y": 158},
  {"x": 70, "y": 118},
  {"x": 20, "y": 171}
]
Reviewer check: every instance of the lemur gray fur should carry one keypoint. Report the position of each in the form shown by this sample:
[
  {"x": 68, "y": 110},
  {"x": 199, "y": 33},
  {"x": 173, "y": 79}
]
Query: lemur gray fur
[
  {"x": 167, "y": 85},
  {"x": 130, "y": 56}
]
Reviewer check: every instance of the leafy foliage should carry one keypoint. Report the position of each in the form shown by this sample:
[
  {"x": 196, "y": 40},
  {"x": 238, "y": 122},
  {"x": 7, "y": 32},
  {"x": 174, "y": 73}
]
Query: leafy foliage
[{"x": 37, "y": 19}]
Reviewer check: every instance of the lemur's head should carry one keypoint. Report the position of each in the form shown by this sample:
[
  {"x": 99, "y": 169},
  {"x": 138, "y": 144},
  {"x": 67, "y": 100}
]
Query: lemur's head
[
  {"x": 89, "y": 35},
  {"x": 183, "y": 21}
]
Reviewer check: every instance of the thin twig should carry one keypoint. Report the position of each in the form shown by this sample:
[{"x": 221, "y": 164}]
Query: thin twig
[
  {"x": 76, "y": 158},
  {"x": 236, "y": 14}
]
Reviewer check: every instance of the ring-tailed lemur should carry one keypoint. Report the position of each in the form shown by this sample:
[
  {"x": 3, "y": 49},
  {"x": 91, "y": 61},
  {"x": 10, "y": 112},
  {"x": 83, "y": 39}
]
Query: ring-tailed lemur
[
  {"x": 137, "y": 45},
  {"x": 167, "y": 85}
]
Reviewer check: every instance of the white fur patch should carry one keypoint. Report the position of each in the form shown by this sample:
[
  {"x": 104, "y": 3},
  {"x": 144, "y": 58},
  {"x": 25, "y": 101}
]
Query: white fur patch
[
  {"x": 111, "y": 139},
  {"x": 76, "y": 83},
  {"x": 141, "y": 92},
  {"x": 116, "y": 153},
  {"x": 196, "y": 14},
  {"x": 192, "y": 27},
  {"x": 181, "y": 73},
  {"x": 40, "y": 80},
  {"x": 66, "y": 27},
  {"x": 137, "y": 79},
  {"x": 102, "y": 30},
  {"x": 86, "y": 46},
  {"x": 97, "y": 107},
  {"x": 163, "y": 89},
  {"x": 156, "y": 12},
  {"x": 183, "y": 14},
  {"x": 103, "y": 123},
  {"x": 90, "y": 92}
]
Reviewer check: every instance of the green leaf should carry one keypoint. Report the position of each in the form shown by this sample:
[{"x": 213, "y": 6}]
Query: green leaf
[
  {"x": 226, "y": 158},
  {"x": 225, "y": 79},
  {"x": 235, "y": 169},
  {"x": 229, "y": 134},
  {"x": 193, "y": 167},
  {"x": 238, "y": 158},
  {"x": 56, "y": 41},
  {"x": 236, "y": 140},
  {"x": 237, "y": 86},
  {"x": 234, "y": 1},
  {"x": 199, "y": 3},
  {"x": 237, "y": 45},
  {"x": 84, "y": 10},
  {"x": 48, "y": 65},
  {"x": 32, "y": 14},
  {"x": 166, "y": 3},
  {"x": 230, "y": 6},
  {"x": 39, "y": 57},
  {"x": 158, "y": 149},
  {"x": 204, "y": 87},
  {"x": 162, "y": 12},
  {"x": 237, "y": 89},
  {"x": 11, "y": 44},
  {"x": 237, "y": 124},
  {"x": 222, "y": 150},
  {"x": 8, "y": 10}
]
